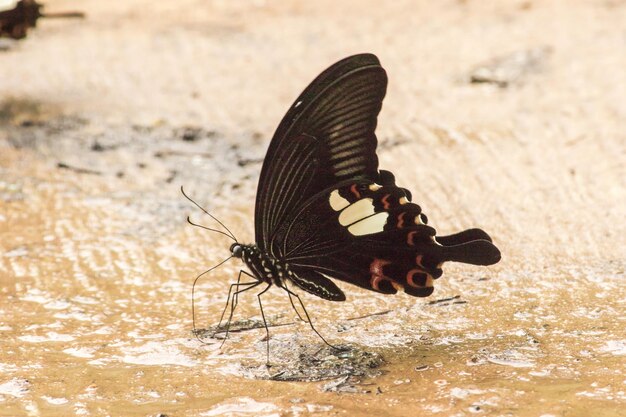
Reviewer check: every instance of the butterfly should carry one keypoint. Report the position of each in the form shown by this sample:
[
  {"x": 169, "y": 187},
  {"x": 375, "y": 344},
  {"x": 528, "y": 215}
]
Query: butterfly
[{"x": 324, "y": 210}]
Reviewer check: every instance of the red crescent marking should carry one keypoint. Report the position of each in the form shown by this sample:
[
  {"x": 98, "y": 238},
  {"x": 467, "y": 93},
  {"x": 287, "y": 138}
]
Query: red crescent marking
[
  {"x": 401, "y": 220},
  {"x": 376, "y": 269},
  {"x": 409, "y": 278},
  {"x": 409, "y": 238},
  {"x": 385, "y": 202},
  {"x": 418, "y": 260},
  {"x": 377, "y": 279},
  {"x": 355, "y": 191},
  {"x": 374, "y": 282}
]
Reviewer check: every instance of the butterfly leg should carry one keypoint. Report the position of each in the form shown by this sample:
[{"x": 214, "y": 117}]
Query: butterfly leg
[
  {"x": 235, "y": 285},
  {"x": 234, "y": 302},
  {"x": 230, "y": 290},
  {"x": 291, "y": 293},
  {"x": 294, "y": 306},
  {"x": 267, "y": 330}
]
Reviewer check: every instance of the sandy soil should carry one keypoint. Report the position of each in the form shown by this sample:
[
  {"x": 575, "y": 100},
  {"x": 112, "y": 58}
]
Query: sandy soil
[{"x": 102, "y": 120}]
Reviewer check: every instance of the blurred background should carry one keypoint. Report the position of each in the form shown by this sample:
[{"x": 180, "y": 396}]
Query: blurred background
[{"x": 504, "y": 115}]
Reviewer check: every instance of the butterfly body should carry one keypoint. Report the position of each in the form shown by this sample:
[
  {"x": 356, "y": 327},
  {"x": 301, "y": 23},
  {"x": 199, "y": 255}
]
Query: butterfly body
[{"x": 266, "y": 268}]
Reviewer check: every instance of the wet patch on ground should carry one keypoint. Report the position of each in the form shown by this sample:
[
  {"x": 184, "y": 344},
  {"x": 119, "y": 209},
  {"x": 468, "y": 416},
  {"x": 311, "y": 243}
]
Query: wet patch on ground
[
  {"x": 141, "y": 157},
  {"x": 293, "y": 360}
]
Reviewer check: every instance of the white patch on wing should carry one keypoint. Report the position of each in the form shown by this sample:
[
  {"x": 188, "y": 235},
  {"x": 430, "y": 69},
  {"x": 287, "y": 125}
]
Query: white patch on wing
[
  {"x": 357, "y": 211},
  {"x": 337, "y": 202},
  {"x": 372, "y": 224}
]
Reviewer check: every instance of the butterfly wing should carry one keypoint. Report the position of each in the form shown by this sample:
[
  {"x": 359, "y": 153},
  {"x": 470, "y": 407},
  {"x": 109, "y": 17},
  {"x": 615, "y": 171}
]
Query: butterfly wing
[
  {"x": 323, "y": 206},
  {"x": 338, "y": 110},
  {"x": 370, "y": 235}
]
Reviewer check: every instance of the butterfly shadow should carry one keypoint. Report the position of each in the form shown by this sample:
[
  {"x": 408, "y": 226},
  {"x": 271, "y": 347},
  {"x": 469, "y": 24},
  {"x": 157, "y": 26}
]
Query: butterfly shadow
[{"x": 301, "y": 360}]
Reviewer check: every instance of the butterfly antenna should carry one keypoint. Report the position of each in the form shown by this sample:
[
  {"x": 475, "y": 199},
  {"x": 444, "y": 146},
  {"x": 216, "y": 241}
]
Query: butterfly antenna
[
  {"x": 193, "y": 298},
  {"x": 230, "y": 234},
  {"x": 208, "y": 228}
]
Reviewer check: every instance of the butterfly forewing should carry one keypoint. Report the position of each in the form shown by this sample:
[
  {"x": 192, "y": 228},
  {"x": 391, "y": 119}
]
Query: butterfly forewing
[{"x": 339, "y": 110}]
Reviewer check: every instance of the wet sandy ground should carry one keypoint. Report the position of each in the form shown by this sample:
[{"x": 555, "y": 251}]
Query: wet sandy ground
[{"x": 102, "y": 120}]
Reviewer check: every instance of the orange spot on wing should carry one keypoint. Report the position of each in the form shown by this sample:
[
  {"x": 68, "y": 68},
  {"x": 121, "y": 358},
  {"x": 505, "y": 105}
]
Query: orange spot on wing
[{"x": 409, "y": 238}]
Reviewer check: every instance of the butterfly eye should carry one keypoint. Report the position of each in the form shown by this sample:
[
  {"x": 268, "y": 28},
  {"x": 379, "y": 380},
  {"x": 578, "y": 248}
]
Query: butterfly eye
[{"x": 236, "y": 250}]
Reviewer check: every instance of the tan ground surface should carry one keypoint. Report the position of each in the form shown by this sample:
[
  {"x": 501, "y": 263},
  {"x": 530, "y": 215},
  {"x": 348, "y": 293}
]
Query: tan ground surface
[{"x": 96, "y": 267}]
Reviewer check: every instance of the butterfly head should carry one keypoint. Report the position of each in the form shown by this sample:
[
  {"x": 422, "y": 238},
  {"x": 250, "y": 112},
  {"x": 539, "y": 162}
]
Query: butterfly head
[{"x": 236, "y": 250}]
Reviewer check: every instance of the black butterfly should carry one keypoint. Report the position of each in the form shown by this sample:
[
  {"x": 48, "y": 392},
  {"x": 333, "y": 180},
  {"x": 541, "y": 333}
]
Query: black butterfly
[{"x": 324, "y": 209}]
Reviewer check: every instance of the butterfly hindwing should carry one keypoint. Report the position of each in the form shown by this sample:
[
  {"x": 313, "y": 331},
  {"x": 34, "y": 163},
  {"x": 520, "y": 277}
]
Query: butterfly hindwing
[{"x": 379, "y": 241}]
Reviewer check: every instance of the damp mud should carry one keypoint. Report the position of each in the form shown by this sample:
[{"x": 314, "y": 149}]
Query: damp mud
[{"x": 489, "y": 121}]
